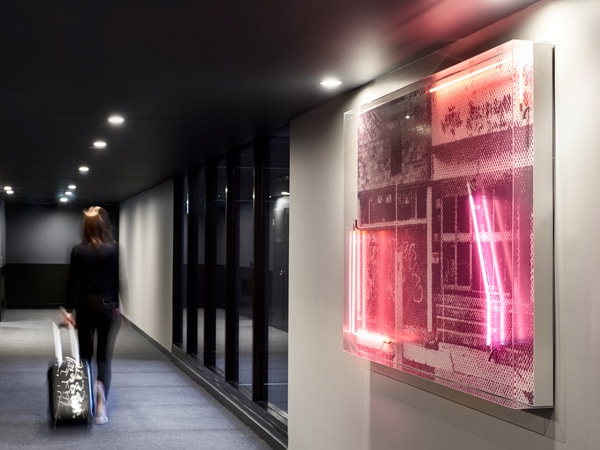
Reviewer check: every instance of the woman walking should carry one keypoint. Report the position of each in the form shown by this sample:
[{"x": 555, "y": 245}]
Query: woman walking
[{"x": 93, "y": 292}]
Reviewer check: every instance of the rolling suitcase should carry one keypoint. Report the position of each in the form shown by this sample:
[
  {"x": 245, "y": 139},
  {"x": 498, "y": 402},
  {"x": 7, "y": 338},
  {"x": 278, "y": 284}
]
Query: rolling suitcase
[{"x": 69, "y": 384}]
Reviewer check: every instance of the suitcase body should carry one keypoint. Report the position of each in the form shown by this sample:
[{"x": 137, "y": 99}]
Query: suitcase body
[{"x": 69, "y": 386}]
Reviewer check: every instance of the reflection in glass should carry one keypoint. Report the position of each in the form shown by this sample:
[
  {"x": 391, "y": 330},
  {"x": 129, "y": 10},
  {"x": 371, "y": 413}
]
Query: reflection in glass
[
  {"x": 276, "y": 271},
  {"x": 201, "y": 258},
  {"x": 233, "y": 216},
  {"x": 184, "y": 257},
  {"x": 244, "y": 266},
  {"x": 219, "y": 225}
]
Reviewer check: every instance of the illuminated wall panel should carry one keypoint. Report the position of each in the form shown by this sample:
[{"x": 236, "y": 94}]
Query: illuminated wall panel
[{"x": 450, "y": 258}]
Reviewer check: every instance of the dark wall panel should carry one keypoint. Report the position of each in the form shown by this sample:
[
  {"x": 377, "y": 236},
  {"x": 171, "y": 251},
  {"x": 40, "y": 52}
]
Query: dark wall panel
[
  {"x": 38, "y": 247},
  {"x": 35, "y": 285},
  {"x": 41, "y": 235}
]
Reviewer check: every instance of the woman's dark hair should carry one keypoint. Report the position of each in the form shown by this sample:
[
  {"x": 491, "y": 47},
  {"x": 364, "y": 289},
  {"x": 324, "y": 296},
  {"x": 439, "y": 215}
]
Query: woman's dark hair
[{"x": 96, "y": 226}]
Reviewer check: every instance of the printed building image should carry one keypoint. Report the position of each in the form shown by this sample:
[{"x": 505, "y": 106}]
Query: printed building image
[{"x": 443, "y": 249}]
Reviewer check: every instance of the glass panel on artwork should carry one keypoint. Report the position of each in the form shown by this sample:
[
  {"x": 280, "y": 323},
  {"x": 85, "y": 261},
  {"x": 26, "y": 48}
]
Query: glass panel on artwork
[{"x": 441, "y": 257}]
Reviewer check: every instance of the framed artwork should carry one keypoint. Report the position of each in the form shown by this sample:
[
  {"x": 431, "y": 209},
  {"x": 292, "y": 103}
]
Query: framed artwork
[{"x": 450, "y": 253}]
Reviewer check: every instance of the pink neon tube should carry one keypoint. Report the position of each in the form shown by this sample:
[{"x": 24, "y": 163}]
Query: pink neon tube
[
  {"x": 496, "y": 268},
  {"x": 352, "y": 282},
  {"x": 488, "y": 338},
  {"x": 357, "y": 294}
]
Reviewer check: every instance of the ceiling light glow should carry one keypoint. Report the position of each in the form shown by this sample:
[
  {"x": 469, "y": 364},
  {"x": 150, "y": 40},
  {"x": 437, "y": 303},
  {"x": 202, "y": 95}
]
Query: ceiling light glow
[
  {"x": 84, "y": 169},
  {"x": 116, "y": 120},
  {"x": 330, "y": 83},
  {"x": 72, "y": 187},
  {"x": 64, "y": 199},
  {"x": 8, "y": 188},
  {"x": 99, "y": 144}
]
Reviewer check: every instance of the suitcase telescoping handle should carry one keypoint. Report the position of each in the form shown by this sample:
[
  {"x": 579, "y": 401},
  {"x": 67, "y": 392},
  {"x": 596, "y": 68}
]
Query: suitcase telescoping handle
[
  {"x": 72, "y": 337},
  {"x": 58, "y": 343}
]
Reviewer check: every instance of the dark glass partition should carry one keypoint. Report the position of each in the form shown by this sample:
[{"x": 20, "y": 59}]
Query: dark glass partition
[
  {"x": 233, "y": 271},
  {"x": 276, "y": 232}
]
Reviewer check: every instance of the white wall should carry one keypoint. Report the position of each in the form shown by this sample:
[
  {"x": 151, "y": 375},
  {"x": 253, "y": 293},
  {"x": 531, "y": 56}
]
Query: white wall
[
  {"x": 337, "y": 401},
  {"x": 146, "y": 238}
]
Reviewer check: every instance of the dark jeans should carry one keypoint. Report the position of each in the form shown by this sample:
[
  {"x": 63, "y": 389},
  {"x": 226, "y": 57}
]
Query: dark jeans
[{"x": 104, "y": 326}]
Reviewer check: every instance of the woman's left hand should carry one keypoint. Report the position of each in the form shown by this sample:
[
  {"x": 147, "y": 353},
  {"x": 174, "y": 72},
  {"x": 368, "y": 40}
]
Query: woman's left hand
[{"x": 68, "y": 319}]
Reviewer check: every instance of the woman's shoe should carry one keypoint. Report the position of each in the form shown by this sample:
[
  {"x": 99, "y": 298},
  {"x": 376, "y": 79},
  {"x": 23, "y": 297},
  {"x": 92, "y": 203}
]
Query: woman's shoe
[{"x": 100, "y": 417}]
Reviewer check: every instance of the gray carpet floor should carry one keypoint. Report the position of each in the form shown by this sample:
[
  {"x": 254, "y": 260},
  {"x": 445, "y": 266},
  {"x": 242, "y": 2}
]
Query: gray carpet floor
[{"x": 152, "y": 404}]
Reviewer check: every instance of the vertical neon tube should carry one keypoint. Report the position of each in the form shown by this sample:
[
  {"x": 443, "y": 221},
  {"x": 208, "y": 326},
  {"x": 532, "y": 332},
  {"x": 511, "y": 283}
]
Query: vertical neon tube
[
  {"x": 361, "y": 278},
  {"x": 357, "y": 297},
  {"x": 352, "y": 282},
  {"x": 496, "y": 268},
  {"x": 488, "y": 338},
  {"x": 356, "y": 293}
]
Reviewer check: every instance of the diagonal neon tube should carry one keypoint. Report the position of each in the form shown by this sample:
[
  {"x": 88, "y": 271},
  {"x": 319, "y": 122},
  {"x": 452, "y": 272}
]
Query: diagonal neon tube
[{"x": 488, "y": 338}]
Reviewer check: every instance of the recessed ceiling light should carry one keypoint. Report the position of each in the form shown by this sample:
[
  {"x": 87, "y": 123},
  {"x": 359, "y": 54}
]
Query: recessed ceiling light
[
  {"x": 68, "y": 193},
  {"x": 99, "y": 144},
  {"x": 64, "y": 199},
  {"x": 8, "y": 188},
  {"x": 116, "y": 120},
  {"x": 84, "y": 169},
  {"x": 72, "y": 187},
  {"x": 330, "y": 83}
]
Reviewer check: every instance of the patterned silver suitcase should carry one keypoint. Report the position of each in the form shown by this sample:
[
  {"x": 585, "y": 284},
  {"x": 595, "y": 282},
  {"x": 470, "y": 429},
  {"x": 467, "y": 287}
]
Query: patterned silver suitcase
[{"x": 69, "y": 384}]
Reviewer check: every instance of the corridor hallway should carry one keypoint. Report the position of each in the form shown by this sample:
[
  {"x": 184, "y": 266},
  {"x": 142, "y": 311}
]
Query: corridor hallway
[{"x": 152, "y": 404}]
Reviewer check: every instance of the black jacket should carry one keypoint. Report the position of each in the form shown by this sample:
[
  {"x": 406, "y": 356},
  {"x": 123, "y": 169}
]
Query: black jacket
[{"x": 93, "y": 271}]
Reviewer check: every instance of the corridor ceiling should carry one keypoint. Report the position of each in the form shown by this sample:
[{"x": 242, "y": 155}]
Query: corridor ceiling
[{"x": 192, "y": 78}]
